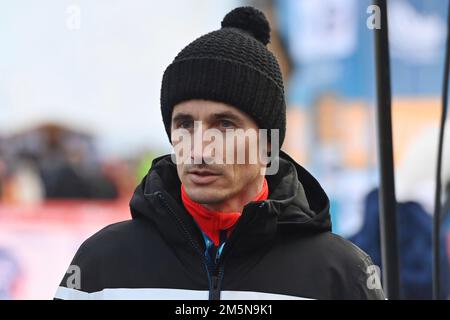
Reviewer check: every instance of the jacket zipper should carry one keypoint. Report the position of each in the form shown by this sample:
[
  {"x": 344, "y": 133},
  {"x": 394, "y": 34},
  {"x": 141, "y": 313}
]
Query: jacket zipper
[
  {"x": 216, "y": 274},
  {"x": 215, "y": 271}
]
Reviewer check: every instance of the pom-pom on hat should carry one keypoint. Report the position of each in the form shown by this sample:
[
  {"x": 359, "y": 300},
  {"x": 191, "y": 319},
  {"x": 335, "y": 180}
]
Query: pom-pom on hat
[{"x": 230, "y": 65}]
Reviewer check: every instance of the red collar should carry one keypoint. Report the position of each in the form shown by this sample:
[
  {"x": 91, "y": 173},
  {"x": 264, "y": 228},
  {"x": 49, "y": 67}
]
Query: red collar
[{"x": 211, "y": 222}]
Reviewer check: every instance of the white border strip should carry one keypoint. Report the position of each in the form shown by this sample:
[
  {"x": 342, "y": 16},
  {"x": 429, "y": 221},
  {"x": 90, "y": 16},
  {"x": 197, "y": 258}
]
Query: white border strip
[
  {"x": 132, "y": 294},
  {"x": 252, "y": 295},
  {"x": 165, "y": 294}
]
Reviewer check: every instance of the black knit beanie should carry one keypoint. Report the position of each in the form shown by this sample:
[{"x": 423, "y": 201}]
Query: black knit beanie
[{"x": 230, "y": 65}]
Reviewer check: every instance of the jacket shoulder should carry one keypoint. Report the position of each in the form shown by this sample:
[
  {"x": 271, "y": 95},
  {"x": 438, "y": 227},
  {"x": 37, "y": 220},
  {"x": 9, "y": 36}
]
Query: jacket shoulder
[
  {"x": 353, "y": 274},
  {"x": 113, "y": 232},
  {"x": 116, "y": 238},
  {"x": 362, "y": 278},
  {"x": 97, "y": 252},
  {"x": 345, "y": 249}
]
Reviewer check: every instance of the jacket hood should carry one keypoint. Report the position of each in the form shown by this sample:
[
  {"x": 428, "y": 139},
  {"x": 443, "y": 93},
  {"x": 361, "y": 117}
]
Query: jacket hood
[{"x": 296, "y": 200}]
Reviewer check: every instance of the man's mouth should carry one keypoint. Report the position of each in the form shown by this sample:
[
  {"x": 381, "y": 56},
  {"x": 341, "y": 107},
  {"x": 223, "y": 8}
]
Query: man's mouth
[{"x": 203, "y": 176}]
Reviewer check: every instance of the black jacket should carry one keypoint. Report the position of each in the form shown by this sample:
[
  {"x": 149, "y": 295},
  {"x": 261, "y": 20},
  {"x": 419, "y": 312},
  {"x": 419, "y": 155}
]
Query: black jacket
[{"x": 281, "y": 248}]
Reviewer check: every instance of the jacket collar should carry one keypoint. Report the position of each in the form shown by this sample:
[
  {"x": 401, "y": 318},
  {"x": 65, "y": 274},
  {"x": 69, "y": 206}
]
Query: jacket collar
[{"x": 297, "y": 204}]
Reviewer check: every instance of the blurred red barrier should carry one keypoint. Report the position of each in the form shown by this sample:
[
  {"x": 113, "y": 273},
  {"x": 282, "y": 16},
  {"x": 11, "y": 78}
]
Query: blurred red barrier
[{"x": 37, "y": 242}]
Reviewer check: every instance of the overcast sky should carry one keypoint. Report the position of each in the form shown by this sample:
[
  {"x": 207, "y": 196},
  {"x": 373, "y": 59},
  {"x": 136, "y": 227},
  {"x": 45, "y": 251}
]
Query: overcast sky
[{"x": 95, "y": 65}]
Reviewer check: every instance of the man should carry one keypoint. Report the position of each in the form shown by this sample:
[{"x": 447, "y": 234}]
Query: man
[{"x": 206, "y": 225}]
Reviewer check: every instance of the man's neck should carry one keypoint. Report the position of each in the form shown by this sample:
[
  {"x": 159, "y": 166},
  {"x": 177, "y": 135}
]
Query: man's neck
[{"x": 237, "y": 202}]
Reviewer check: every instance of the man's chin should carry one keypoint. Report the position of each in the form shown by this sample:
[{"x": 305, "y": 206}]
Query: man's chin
[{"x": 203, "y": 195}]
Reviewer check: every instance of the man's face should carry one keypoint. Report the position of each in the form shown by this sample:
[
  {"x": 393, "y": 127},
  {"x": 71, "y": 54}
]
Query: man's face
[{"x": 206, "y": 180}]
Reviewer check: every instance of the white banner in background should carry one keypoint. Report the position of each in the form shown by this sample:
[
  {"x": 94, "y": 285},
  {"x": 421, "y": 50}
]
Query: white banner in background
[{"x": 325, "y": 29}]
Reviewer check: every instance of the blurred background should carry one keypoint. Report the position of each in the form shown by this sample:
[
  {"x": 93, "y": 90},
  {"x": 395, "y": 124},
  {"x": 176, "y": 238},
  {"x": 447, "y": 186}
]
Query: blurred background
[{"x": 80, "y": 120}]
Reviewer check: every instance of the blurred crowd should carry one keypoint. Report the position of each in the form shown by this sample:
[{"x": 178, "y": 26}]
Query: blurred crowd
[{"x": 51, "y": 161}]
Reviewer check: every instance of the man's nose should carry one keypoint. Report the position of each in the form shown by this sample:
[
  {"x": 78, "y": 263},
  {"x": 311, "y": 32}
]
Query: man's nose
[{"x": 198, "y": 145}]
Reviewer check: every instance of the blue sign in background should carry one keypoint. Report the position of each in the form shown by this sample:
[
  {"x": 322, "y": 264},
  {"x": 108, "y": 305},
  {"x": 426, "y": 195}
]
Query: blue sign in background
[{"x": 343, "y": 64}]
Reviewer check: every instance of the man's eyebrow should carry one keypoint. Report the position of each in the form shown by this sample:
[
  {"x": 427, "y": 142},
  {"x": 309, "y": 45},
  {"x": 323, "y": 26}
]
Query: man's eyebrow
[
  {"x": 181, "y": 116},
  {"x": 227, "y": 115}
]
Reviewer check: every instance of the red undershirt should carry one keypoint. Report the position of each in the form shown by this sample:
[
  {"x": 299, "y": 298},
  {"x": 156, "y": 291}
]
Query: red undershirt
[{"x": 211, "y": 222}]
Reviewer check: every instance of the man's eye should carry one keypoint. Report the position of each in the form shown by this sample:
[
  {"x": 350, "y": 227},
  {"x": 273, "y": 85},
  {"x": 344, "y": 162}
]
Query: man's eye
[
  {"x": 187, "y": 124},
  {"x": 226, "y": 124}
]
